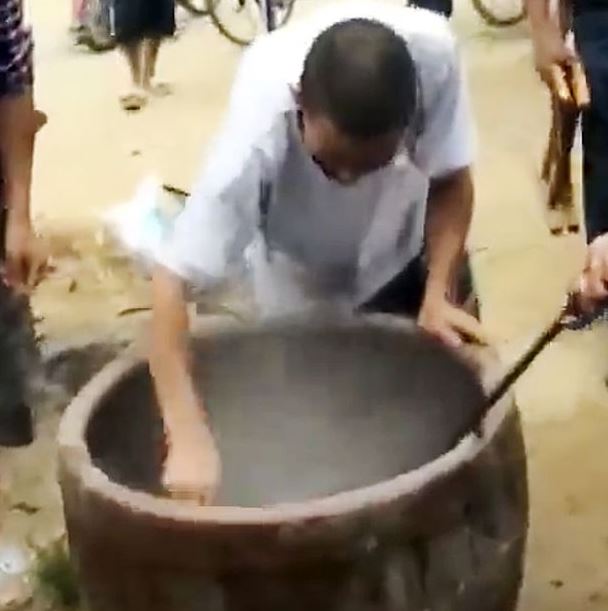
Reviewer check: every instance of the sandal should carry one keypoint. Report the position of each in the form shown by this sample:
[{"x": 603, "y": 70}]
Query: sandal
[{"x": 133, "y": 102}]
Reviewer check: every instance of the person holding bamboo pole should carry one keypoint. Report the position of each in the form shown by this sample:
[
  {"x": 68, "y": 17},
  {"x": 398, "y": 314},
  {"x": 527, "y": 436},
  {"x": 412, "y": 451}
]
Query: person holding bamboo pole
[{"x": 586, "y": 64}]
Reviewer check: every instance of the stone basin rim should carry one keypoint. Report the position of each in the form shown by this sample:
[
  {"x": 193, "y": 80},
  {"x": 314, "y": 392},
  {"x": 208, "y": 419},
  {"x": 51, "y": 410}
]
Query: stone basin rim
[{"x": 76, "y": 459}]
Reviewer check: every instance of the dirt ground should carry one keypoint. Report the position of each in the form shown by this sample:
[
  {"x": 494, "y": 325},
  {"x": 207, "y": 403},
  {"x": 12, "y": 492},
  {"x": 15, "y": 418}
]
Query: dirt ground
[{"x": 91, "y": 155}]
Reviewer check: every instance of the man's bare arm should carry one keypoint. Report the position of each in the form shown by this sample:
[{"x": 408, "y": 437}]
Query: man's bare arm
[
  {"x": 17, "y": 130},
  {"x": 192, "y": 465},
  {"x": 539, "y": 14},
  {"x": 169, "y": 358},
  {"x": 547, "y": 37},
  {"x": 19, "y": 123},
  {"x": 449, "y": 212}
]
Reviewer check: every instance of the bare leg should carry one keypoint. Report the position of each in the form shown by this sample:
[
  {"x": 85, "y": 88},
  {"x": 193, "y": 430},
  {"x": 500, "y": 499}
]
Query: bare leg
[
  {"x": 133, "y": 53},
  {"x": 136, "y": 97},
  {"x": 77, "y": 15},
  {"x": 150, "y": 56}
]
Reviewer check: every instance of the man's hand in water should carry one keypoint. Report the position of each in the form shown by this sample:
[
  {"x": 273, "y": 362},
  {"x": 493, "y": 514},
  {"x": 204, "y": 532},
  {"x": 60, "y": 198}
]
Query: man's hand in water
[
  {"x": 593, "y": 282},
  {"x": 192, "y": 467},
  {"x": 449, "y": 323}
]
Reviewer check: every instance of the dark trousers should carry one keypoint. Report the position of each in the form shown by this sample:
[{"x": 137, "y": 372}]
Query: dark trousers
[
  {"x": 591, "y": 31},
  {"x": 137, "y": 20},
  {"x": 17, "y": 353},
  {"x": 404, "y": 293}
]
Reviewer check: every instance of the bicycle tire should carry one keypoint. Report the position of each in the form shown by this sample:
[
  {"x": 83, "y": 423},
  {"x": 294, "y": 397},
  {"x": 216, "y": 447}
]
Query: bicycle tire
[
  {"x": 494, "y": 20},
  {"x": 224, "y": 29},
  {"x": 195, "y": 8}
]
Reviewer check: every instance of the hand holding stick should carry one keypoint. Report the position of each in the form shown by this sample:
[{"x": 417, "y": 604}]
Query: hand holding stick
[
  {"x": 569, "y": 83},
  {"x": 580, "y": 88}
]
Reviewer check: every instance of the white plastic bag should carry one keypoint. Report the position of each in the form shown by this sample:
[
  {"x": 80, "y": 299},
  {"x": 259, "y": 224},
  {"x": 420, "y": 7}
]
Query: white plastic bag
[{"x": 140, "y": 225}]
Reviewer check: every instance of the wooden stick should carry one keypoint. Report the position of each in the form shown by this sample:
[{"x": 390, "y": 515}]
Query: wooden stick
[
  {"x": 580, "y": 88},
  {"x": 524, "y": 362},
  {"x": 559, "y": 85}
]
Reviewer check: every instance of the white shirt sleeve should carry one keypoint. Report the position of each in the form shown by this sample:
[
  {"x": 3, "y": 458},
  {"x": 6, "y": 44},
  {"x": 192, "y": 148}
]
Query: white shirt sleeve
[
  {"x": 447, "y": 140},
  {"x": 208, "y": 240}
]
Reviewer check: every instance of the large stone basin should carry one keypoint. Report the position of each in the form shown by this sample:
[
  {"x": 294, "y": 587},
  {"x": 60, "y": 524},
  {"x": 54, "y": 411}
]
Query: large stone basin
[{"x": 347, "y": 483}]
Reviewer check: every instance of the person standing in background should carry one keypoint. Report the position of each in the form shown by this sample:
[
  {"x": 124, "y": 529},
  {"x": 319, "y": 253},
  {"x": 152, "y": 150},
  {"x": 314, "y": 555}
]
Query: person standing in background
[
  {"x": 140, "y": 27},
  {"x": 20, "y": 249},
  {"x": 590, "y": 26}
]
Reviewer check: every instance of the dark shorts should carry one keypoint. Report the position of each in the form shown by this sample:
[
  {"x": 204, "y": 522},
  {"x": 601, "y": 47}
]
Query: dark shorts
[
  {"x": 136, "y": 20},
  {"x": 591, "y": 31}
]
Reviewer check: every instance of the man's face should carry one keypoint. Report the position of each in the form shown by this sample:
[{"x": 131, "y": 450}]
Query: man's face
[{"x": 341, "y": 157}]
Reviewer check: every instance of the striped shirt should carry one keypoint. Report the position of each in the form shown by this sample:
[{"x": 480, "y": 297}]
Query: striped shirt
[{"x": 16, "y": 46}]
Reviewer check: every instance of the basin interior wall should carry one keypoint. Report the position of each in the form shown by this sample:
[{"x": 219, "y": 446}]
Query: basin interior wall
[{"x": 299, "y": 415}]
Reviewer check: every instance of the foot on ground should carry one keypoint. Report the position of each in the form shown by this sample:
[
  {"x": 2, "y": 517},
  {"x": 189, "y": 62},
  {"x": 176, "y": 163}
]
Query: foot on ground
[
  {"x": 133, "y": 101},
  {"x": 159, "y": 90}
]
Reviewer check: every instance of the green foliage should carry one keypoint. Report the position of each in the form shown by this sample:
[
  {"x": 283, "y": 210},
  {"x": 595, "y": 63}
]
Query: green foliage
[{"x": 55, "y": 576}]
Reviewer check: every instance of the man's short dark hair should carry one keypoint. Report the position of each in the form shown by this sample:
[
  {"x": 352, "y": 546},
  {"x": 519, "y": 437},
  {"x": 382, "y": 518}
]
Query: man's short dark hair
[{"x": 360, "y": 74}]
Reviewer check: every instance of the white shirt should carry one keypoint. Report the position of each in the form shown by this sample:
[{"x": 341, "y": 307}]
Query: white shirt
[{"x": 326, "y": 242}]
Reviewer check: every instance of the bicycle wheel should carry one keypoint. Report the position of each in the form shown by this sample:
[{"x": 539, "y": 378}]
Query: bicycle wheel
[
  {"x": 500, "y": 13},
  {"x": 196, "y": 7},
  {"x": 240, "y": 21}
]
